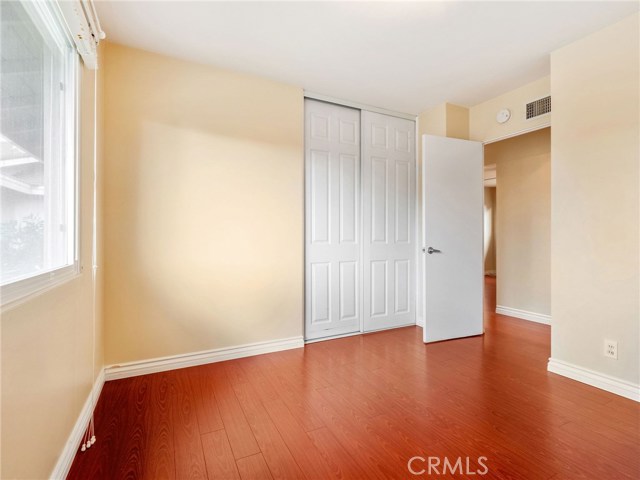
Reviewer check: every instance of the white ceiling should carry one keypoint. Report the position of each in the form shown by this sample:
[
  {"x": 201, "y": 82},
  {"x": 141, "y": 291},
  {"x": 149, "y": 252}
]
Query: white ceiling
[{"x": 403, "y": 56}]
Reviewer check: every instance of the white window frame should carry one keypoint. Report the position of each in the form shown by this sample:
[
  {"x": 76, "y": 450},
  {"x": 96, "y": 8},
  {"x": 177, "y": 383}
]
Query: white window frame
[{"x": 22, "y": 290}]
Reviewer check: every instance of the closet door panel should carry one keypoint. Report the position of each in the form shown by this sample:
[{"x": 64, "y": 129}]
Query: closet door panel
[
  {"x": 388, "y": 209},
  {"x": 332, "y": 220}
]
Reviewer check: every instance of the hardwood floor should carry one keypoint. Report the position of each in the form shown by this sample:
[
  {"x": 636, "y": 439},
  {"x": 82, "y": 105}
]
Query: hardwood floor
[{"x": 361, "y": 407}]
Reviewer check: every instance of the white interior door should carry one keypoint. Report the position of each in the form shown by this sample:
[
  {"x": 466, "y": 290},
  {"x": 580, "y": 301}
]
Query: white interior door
[
  {"x": 388, "y": 209},
  {"x": 332, "y": 220},
  {"x": 453, "y": 232}
]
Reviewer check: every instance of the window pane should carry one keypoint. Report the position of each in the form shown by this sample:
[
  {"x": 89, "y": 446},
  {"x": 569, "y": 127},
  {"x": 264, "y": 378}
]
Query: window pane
[{"x": 36, "y": 158}]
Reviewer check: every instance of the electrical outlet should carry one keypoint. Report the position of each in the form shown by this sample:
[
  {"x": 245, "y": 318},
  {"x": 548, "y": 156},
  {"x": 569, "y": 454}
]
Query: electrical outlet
[{"x": 611, "y": 349}]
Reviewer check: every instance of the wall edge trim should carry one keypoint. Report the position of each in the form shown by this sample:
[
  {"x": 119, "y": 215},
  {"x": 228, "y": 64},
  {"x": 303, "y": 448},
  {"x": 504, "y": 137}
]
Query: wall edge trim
[
  {"x": 595, "y": 379},
  {"x": 70, "y": 449},
  {"x": 184, "y": 360},
  {"x": 515, "y": 134},
  {"x": 524, "y": 314}
]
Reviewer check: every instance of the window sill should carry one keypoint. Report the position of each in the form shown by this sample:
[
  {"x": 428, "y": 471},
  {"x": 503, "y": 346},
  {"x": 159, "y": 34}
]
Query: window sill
[{"x": 23, "y": 291}]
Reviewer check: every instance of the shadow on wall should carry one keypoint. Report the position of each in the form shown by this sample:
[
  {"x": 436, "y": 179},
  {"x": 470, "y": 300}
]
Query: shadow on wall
[
  {"x": 193, "y": 241},
  {"x": 204, "y": 211}
]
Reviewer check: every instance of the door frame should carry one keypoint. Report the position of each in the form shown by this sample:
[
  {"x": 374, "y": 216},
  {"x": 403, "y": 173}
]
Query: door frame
[{"x": 360, "y": 106}]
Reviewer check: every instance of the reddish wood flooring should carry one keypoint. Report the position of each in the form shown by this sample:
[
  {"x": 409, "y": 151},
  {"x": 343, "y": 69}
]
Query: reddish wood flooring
[{"x": 361, "y": 407}]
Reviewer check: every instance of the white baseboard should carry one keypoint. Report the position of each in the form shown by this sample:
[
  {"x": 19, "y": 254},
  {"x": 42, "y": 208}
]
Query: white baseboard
[
  {"x": 61, "y": 470},
  {"x": 524, "y": 314},
  {"x": 173, "y": 362},
  {"x": 595, "y": 379},
  {"x": 132, "y": 369}
]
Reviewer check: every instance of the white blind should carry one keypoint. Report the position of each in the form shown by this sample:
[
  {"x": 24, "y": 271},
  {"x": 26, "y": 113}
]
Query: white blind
[{"x": 84, "y": 28}]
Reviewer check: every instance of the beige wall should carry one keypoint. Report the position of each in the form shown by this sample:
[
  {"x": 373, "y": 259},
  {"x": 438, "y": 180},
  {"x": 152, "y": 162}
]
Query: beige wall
[
  {"x": 203, "y": 207},
  {"x": 523, "y": 222},
  {"x": 490, "y": 211},
  {"x": 457, "y": 121},
  {"x": 595, "y": 188},
  {"x": 444, "y": 120},
  {"x": 47, "y": 346},
  {"x": 433, "y": 121},
  {"x": 483, "y": 126}
]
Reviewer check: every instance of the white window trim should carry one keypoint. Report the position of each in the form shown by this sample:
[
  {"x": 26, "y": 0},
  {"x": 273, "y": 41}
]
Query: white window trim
[{"x": 21, "y": 291}]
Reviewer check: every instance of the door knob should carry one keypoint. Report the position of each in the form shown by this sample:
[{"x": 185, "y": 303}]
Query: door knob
[{"x": 431, "y": 250}]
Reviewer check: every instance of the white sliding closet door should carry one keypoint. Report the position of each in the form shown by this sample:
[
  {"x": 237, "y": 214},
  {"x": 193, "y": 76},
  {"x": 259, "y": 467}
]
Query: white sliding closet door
[
  {"x": 332, "y": 220},
  {"x": 388, "y": 210}
]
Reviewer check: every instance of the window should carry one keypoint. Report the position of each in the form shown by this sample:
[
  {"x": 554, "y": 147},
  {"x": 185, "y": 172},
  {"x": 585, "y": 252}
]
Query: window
[{"x": 37, "y": 149}]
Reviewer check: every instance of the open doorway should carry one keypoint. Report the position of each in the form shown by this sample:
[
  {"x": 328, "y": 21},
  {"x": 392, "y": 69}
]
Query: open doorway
[
  {"x": 490, "y": 183},
  {"x": 489, "y": 219},
  {"x": 517, "y": 226}
]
